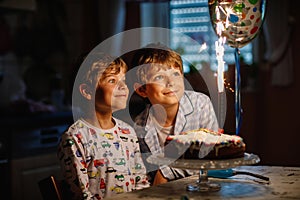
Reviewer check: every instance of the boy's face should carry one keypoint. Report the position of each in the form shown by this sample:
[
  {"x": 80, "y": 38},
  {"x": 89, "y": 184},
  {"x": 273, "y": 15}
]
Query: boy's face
[
  {"x": 164, "y": 87},
  {"x": 111, "y": 93}
]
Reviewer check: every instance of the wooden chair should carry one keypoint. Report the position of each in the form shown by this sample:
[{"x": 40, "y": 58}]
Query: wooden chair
[{"x": 53, "y": 189}]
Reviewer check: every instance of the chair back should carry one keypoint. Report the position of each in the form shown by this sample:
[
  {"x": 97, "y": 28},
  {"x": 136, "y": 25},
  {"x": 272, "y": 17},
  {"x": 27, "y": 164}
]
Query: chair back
[{"x": 51, "y": 188}]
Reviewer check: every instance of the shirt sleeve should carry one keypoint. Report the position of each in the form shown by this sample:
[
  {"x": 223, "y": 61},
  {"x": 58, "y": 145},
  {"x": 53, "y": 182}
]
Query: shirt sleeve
[
  {"x": 74, "y": 165},
  {"x": 140, "y": 171},
  {"x": 209, "y": 119},
  {"x": 175, "y": 173}
]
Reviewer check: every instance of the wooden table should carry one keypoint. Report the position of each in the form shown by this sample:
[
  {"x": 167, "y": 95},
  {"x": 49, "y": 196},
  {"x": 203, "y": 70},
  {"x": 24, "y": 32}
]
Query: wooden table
[{"x": 284, "y": 184}]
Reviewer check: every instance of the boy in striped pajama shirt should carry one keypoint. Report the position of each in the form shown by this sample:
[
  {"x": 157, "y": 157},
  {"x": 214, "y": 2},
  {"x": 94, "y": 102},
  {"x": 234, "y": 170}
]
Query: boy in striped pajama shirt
[{"x": 171, "y": 110}]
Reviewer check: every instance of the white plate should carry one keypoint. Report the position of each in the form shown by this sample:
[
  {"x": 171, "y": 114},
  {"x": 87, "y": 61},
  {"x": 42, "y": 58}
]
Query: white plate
[{"x": 248, "y": 159}]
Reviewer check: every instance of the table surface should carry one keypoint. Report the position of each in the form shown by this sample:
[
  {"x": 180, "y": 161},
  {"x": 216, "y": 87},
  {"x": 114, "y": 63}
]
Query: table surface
[{"x": 284, "y": 183}]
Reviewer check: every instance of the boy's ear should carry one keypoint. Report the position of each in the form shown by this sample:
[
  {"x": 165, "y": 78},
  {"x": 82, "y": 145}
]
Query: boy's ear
[
  {"x": 140, "y": 90},
  {"x": 85, "y": 91}
]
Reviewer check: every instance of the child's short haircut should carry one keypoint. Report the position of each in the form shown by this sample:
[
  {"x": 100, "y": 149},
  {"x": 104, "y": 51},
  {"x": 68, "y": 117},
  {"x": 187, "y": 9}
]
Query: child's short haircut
[
  {"x": 98, "y": 66},
  {"x": 94, "y": 68},
  {"x": 155, "y": 57}
]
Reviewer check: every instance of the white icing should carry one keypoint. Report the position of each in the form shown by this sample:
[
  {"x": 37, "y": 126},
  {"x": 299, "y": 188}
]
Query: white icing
[
  {"x": 203, "y": 136},
  {"x": 205, "y": 140}
]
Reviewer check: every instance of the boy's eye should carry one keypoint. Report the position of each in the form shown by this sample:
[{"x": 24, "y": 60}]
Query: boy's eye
[
  {"x": 158, "y": 77},
  {"x": 176, "y": 74},
  {"x": 112, "y": 80}
]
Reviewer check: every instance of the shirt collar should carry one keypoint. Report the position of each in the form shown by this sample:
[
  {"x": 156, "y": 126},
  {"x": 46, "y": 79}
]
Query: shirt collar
[
  {"x": 186, "y": 105},
  {"x": 185, "y": 108}
]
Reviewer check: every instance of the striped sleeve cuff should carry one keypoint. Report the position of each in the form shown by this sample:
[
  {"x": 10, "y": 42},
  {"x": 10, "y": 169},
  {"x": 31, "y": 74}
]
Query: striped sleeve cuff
[
  {"x": 174, "y": 173},
  {"x": 167, "y": 172}
]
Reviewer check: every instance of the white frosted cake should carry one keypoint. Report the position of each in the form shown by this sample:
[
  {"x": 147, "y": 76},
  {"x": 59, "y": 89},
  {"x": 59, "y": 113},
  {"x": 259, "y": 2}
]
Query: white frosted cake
[{"x": 204, "y": 144}]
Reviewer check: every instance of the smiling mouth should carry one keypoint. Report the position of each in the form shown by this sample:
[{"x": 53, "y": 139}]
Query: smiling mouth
[
  {"x": 170, "y": 93},
  {"x": 121, "y": 95}
]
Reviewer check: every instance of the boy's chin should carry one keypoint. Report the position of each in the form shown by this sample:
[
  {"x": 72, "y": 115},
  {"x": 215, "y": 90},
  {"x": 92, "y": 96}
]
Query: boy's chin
[
  {"x": 119, "y": 107},
  {"x": 172, "y": 100}
]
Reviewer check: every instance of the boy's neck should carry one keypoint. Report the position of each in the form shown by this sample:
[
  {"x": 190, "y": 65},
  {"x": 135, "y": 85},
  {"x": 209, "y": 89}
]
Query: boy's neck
[
  {"x": 105, "y": 120},
  {"x": 165, "y": 116},
  {"x": 102, "y": 120}
]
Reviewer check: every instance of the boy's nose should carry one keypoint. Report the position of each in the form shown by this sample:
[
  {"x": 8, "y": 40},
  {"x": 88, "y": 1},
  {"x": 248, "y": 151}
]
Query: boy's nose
[
  {"x": 170, "y": 82},
  {"x": 122, "y": 85}
]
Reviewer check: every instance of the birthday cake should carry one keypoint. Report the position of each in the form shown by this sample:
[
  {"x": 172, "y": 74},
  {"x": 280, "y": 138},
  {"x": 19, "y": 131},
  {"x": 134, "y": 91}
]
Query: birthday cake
[{"x": 204, "y": 144}]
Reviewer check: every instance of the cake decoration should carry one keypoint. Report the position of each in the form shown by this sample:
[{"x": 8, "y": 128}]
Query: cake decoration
[{"x": 204, "y": 144}]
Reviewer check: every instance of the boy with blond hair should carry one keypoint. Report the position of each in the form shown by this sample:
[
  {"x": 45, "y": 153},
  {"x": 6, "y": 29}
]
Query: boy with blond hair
[
  {"x": 171, "y": 110},
  {"x": 99, "y": 154}
]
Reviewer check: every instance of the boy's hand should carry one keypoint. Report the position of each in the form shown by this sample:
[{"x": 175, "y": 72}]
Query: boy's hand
[{"x": 159, "y": 179}]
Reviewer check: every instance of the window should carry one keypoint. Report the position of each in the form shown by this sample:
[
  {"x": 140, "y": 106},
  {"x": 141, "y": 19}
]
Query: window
[{"x": 192, "y": 18}]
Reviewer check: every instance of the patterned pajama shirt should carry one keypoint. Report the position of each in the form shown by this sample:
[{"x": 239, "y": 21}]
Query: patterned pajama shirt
[{"x": 100, "y": 163}]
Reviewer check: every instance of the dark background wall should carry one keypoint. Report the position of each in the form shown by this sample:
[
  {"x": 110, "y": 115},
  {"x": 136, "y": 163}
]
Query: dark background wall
[{"x": 63, "y": 30}]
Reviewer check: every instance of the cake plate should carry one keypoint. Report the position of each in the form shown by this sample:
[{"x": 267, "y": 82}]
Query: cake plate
[{"x": 203, "y": 165}]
